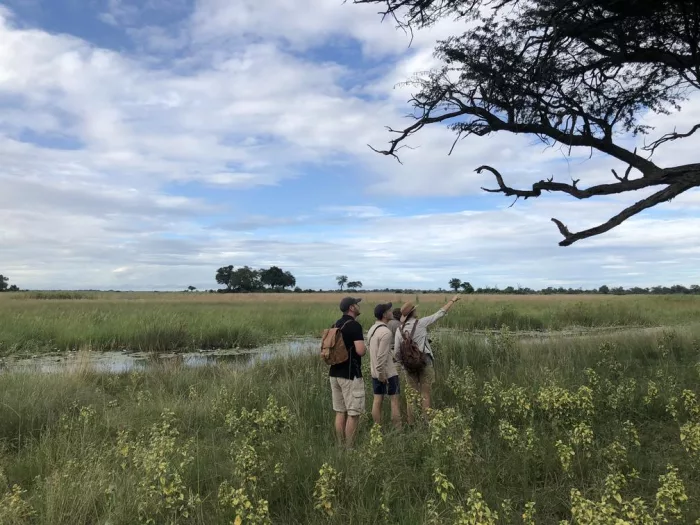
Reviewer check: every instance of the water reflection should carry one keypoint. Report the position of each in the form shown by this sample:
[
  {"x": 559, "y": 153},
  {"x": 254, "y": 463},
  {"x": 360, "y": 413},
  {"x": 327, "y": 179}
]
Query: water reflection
[{"x": 118, "y": 362}]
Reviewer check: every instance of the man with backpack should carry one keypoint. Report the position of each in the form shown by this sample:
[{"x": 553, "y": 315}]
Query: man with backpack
[
  {"x": 342, "y": 348},
  {"x": 385, "y": 376},
  {"x": 413, "y": 351}
]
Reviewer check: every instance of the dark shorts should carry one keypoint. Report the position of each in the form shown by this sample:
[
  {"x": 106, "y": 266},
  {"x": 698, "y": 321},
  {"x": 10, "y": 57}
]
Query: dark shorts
[{"x": 379, "y": 389}]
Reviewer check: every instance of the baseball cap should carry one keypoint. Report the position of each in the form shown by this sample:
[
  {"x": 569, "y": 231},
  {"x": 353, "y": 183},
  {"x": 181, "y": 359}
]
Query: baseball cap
[
  {"x": 380, "y": 309},
  {"x": 347, "y": 302}
]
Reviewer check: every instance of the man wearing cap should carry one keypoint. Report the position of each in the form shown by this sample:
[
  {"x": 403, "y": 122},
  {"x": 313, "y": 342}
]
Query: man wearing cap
[
  {"x": 347, "y": 385},
  {"x": 422, "y": 381},
  {"x": 385, "y": 376}
]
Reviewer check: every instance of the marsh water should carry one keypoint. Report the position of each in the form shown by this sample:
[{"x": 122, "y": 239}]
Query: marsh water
[{"x": 117, "y": 362}]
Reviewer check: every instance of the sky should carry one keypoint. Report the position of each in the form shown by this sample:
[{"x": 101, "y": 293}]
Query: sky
[{"x": 146, "y": 143}]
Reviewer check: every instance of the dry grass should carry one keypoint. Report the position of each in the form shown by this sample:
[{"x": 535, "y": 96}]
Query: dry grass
[{"x": 316, "y": 298}]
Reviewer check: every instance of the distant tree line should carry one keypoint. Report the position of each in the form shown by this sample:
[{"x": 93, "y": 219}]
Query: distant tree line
[
  {"x": 246, "y": 279},
  {"x": 457, "y": 284},
  {"x": 4, "y": 287}
]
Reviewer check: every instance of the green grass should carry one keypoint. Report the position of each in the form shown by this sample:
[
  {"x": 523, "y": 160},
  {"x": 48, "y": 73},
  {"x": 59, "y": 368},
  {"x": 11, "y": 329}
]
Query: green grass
[
  {"x": 72, "y": 440},
  {"x": 60, "y": 321}
]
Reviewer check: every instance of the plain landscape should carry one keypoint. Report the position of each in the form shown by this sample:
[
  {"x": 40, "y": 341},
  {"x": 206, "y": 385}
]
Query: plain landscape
[{"x": 547, "y": 409}]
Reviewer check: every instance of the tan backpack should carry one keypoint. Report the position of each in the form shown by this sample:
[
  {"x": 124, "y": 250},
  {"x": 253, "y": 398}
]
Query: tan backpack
[{"x": 333, "y": 349}]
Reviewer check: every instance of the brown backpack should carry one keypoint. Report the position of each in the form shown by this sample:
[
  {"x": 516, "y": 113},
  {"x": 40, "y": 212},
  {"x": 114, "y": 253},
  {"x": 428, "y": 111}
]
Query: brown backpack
[
  {"x": 410, "y": 356},
  {"x": 333, "y": 349}
]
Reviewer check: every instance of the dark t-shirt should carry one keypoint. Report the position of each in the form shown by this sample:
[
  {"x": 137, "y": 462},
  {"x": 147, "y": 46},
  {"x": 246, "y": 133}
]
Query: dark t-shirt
[{"x": 351, "y": 333}]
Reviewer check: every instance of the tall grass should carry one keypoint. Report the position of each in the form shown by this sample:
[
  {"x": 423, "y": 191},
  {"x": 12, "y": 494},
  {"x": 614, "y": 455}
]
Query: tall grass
[
  {"x": 515, "y": 422},
  {"x": 158, "y": 321}
]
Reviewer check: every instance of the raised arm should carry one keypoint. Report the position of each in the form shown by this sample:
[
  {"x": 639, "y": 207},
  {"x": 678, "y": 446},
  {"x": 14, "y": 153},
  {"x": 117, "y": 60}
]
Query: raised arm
[{"x": 442, "y": 312}]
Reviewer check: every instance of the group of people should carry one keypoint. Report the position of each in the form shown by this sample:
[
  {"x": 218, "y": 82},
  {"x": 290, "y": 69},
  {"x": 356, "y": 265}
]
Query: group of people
[{"x": 383, "y": 342}]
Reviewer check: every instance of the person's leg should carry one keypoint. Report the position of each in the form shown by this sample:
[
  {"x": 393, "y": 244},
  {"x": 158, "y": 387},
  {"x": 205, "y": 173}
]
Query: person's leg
[
  {"x": 377, "y": 409},
  {"x": 339, "y": 408},
  {"x": 413, "y": 387},
  {"x": 351, "y": 430},
  {"x": 340, "y": 421},
  {"x": 379, "y": 390},
  {"x": 426, "y": 382},
  {"x": 394, "y": 398},
  {"x": 355, "y": 401}
]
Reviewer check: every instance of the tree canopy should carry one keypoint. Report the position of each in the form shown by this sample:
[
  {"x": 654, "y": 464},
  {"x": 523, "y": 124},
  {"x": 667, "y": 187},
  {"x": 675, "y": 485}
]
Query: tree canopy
[
  {"x": 247, "y": 279},
  {"x": 5, "y": 287},
  {"x": 573, "y": 73}
]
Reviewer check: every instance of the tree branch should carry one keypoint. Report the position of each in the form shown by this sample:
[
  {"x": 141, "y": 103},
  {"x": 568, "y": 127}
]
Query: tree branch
[
  {"x": 622, "y": 186},
  {"x": 678, "y": 180},
  {"x": 661, "y": 196},
  {"x": 669, "y": 137},
  {"x": 494, "y": 123}
]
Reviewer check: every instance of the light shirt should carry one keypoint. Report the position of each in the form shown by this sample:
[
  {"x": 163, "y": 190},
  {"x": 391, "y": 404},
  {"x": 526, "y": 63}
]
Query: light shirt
[
  {"x": 381, "y": 360},
  {"x": 420, "y": 337}
]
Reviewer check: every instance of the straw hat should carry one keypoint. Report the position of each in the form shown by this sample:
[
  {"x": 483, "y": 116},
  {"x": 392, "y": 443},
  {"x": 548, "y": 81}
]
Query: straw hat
[{"x": 406, "y": 310}]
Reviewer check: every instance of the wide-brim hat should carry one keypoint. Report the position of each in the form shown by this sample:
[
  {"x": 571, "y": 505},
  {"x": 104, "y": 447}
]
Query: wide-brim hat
[{"x": 406, "y": 310}]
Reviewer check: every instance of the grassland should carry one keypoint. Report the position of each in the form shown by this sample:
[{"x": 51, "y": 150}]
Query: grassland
[
  {"x": 589, "y": 430},
  {"x": 41, "y": 322}
]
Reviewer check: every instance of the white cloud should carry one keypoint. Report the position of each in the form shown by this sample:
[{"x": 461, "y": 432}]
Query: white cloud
[{"x": 240, "y": 108}]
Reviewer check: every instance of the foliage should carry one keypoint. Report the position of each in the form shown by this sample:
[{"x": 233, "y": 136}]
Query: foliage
[
  {"x": 247, "y": 279},
  {"x": 342, "y": 281},
  {"x": 354, "y": 285},
  {"x": 545, "y": 438},
  {"x": 572, "y": 74},
  {"x": 4, "y": 287}
]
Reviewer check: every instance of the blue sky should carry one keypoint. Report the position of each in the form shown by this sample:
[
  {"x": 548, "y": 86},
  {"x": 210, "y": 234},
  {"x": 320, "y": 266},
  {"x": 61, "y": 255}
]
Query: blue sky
[{"x": 147, "y": 143}]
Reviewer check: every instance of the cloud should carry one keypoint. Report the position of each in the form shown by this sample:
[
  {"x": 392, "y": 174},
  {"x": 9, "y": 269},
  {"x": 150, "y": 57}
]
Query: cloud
[{"x": 139, "y": 161}]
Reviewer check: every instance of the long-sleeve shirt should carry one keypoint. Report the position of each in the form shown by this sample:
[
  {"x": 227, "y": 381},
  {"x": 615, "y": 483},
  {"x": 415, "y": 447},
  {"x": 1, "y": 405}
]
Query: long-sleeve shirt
[
  {"x": 421, "y": 335},
  {"x": 380, "y": 352}
]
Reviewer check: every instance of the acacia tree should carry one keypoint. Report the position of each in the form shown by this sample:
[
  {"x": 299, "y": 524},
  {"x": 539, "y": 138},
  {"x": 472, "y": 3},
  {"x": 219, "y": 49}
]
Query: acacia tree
[
  {"x": 3, "y": 283},
  {"x": 455, "y": 283},
  {"x": 341, "y": 280},
  {"x": 573, "y": 73},
  {"x": 467, "y": 287},
  {"x": 354, "y": 285}
]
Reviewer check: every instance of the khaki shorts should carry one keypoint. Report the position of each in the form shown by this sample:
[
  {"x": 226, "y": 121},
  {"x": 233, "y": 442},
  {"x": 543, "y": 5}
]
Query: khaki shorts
[
  {"x": 348, "y": 395},
  {"x": 424, "y": 377}
]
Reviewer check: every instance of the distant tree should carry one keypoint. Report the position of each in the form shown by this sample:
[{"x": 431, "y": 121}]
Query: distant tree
[
  {"x": 191, "y": 288},
  {"x": 273, "y": 277},
  {"x": 245, "y": 279},
  {"x": 289, "y": 280},
  {"x": 342, "y": 281},
  {"x": 455, "y": 283},
  {"x": 354, "y": 285},
  {"x": 13, "y": 288},
  {"x": 224, "y": 275},
  {"x": 3, "y": 282},
  {"x": 467, "y": 288},
  {"x": 604, "y": 289}
]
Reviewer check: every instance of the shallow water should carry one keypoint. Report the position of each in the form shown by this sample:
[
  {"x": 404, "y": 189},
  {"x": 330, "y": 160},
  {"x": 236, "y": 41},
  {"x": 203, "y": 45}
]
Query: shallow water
[{"x": 117, "y": 362}]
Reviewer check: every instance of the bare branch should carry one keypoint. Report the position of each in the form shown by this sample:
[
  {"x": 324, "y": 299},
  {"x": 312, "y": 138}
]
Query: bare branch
[
  {"x": 661, "y": 196},
  {"x": 571, "y": 189},
  {"x": 669, "y": 137}
]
